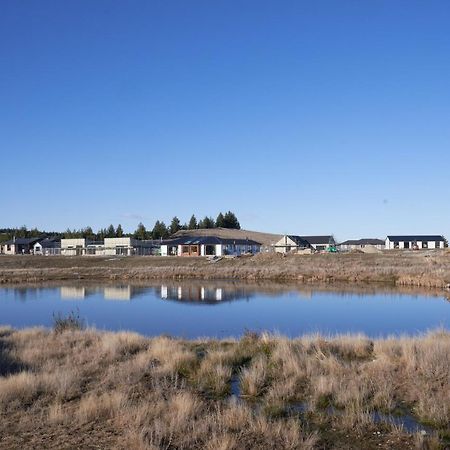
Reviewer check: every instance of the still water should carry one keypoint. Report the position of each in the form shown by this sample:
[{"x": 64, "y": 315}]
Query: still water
[{"x": 221, "y": 309}]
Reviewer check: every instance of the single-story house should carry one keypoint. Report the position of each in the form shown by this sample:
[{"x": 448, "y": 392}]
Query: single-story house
[
  {"x": 358, "y": 244},
  {"x": 19, "y": 246},
  {"x": 291, "y": 243},
  {"x": 320, "y": 242},
  {"x": 208, "y": 246},
  {"x": 48, "y": 246},
  {"x": 127, "y": 246},
  {"x": 415, "y": 242}
]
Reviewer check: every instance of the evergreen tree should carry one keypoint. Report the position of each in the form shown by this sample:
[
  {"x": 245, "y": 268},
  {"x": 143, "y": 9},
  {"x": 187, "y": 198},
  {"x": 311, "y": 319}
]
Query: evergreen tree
[
  {"x": 160, "y": 230},
  {"x": 88, "y": 233},
  {"x": 111, "y": 232},
  {"x": 22, "y": 232},
  {"x": 220, "y": 221},
  {"x": 207, "y": 222},
  {"x": 119, "y": 231},
  {"x": 141, "y": 232},
  {"x": 174, "y": 225},
  {"x": 231, "y": 221},
  {"x": 192, "y": 223}
]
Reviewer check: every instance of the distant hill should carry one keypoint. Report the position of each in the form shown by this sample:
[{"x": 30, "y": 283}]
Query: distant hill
[{"x": 227, "y": 233}]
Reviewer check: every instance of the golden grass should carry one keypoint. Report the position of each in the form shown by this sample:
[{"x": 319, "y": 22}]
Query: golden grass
[{"x": 127, "y": 391}]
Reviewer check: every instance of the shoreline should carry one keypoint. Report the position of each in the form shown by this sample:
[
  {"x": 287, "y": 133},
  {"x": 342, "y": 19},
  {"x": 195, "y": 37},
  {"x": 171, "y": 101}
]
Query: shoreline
[
  {"x": 429, "y": 270},
  {"x": 88, "y": 388}
]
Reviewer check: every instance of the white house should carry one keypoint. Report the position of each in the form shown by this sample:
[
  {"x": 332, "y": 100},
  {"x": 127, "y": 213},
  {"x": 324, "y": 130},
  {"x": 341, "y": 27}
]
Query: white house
[
  {"x": 360, "y": 244},
  {"x": 18, "y": 246},
  {"x": 73, "y": 247},
  {"x": 48, "y": 246},
  {"x": 208, "y": 246},
  {"x": 291, "y": 243},
  {"x": 415, "y": 242}
]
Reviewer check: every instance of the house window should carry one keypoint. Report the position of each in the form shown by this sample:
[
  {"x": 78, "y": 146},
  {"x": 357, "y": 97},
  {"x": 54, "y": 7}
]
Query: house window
[
  {"x": 425, "y": 244},
  {"x": 406, "y": 245},
  {"x": 8, "y": 247},
  {"x": 185, "y": 249}
]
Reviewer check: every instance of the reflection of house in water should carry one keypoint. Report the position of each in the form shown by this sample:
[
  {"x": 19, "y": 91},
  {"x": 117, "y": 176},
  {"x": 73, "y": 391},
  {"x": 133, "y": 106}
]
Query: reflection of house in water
[
  {"x": 121, "y": 292},
  {"x": 73, "y": 292},
  {"x": 118, "y": 293},
  {"x": 199, "y": 293}
]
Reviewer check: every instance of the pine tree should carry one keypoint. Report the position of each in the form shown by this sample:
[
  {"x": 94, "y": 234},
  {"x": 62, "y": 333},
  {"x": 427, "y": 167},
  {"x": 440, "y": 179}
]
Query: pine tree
[
  {"x": 220, "y": 221},
  {"x": 111, "y": 232},
  {"x": 119, "y": 231},
  {"x": 160, "y": 230},
  {"x": 174, "y": 225},
  {"x": 193, "y": 223},
  {"x": 231, "y": 221},
  {"x": 207, "y": 222},
  {"x": 141, "y": 232}
]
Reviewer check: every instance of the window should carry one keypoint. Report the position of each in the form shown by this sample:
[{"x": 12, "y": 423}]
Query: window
[
  {"x": 396, "y": 245},
  {"x": 185, "y": 249},
  {"x": 406, "y": 245},
  {"x": 425, "y": 244}
]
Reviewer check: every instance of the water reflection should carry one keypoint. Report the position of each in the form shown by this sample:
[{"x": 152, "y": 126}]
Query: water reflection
[
  {"x": 228, "y": 308},
  {"x": 204, "y": 294}
]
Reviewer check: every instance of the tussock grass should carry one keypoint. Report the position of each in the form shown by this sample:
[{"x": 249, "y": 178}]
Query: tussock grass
[{"x": 127, "y": 391}]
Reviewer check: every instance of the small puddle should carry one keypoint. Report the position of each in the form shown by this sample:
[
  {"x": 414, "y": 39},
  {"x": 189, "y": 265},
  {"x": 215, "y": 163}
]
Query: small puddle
[
  {"x": 298, "y": 408},
  {"x": 406, "y": 421},
  {"x": 235, "y": 386}
]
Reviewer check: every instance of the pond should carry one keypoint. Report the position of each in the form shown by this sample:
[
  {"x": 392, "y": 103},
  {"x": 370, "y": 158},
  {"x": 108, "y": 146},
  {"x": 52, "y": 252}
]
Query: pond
[{"x": 221, "y": 309}]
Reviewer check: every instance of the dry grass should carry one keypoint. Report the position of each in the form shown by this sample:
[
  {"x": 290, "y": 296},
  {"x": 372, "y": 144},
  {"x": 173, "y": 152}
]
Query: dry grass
[
  {"x": 428, "y": 269},
  {"x": 81, "y": 389}
]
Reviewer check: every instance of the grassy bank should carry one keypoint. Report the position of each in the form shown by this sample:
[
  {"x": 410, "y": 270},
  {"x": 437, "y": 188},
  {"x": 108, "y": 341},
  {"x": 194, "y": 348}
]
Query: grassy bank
[
  {"x": 87, "y": 389},
  {"x": 430, "y": 269}
]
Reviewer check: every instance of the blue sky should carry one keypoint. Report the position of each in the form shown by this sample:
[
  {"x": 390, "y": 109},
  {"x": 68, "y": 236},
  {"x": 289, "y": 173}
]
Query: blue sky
[{"x": 301, "y": 117}]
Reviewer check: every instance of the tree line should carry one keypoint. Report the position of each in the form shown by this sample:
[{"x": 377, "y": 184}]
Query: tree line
[{"x": 159, "y": 231}]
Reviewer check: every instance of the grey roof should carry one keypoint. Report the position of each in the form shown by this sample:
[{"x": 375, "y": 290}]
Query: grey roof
[
  {"x": 208, "y": 240},
  {"x": 416, "y": 237},
  {"x": 22, "y": 241},
  {"x": 301, "y": 242},
  {"x": 50, "y": 243},
  {"x": 318, "y": 240},
  {"x": 365, "y": 241}
]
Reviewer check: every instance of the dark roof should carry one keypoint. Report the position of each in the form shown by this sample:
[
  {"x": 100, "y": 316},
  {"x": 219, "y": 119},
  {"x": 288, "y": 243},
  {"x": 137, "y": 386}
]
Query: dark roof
[
  {"x": 301, "y": 242},
  {"x": 416, "y": 237},
  {"x": 208, "y": 240},
  {"x": 50, "y": 243},
  {"x": 320, "y": 240},
  {"x": 22, "y": 241},
  {"x": 366, "y": 241}
]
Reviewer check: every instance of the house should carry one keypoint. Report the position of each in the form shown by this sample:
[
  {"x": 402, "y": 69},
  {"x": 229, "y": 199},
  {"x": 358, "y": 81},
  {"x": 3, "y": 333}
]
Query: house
[
  {"x": 48, "y": 246},
  {"x": 73, "y": 247},
  {"x": 415, "y": 242},
  {"x": 359, "y": 244},
  {"x": 291, "y": 243},
  {"x": 208, "y": 246},
  {"x": 320, "y": 242},
  {"x": 19, "y": 246},
  {"x": 127, "y": 246}
]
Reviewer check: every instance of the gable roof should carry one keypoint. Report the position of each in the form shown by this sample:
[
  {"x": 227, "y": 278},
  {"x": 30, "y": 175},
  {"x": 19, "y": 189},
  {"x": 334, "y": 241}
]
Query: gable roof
[
  {"x": 318, "y": 240},
  {"x": 417, "y": 237},
  {"x": 299, "y": 241}
]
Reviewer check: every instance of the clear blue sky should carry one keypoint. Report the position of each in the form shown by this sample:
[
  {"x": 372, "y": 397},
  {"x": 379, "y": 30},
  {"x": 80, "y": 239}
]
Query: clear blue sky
[{"x": 301, "y": 117}]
